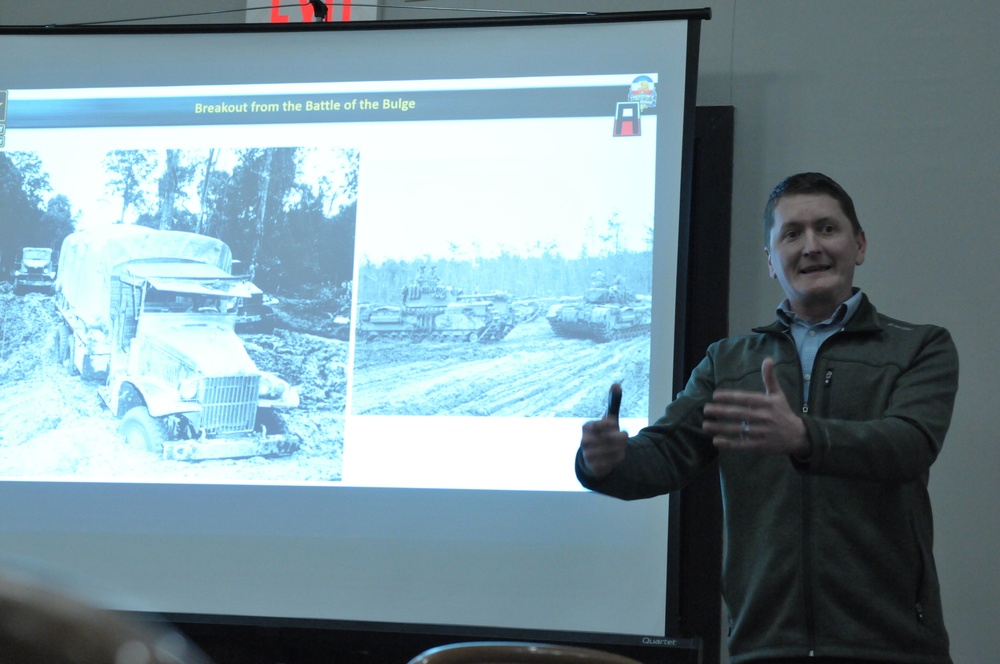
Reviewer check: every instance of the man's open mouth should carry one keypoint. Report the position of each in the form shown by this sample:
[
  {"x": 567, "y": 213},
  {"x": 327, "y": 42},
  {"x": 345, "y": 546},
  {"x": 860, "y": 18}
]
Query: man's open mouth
[{"x": 814, "y": 268}]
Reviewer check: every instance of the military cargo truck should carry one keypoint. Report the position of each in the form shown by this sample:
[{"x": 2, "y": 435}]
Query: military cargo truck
[
  {"x": 150, "y": 316},
  {"x": 35, "y": 271}
]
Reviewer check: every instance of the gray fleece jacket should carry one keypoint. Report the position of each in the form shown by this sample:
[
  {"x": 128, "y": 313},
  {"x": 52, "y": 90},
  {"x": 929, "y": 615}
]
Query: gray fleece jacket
[{"x": 831, "y": 557}]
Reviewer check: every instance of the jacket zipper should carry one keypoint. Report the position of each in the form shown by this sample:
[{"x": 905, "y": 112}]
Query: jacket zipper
[
  {"x": 807, "y": 563},
  {"x": 807, "y": 557},
  {"x": 827, "y": 381}
]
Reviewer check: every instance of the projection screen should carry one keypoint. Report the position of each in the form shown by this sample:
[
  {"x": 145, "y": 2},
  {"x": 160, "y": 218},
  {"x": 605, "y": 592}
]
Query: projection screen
[{"x": 444, "y": 243}]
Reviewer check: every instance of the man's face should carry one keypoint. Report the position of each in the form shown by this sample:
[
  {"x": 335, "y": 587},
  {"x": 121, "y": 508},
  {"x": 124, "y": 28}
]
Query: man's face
[{"x": 813, "y": 252}]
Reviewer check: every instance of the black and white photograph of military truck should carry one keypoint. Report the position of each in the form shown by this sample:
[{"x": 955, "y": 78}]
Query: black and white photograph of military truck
[{"x": 189, "y": 333}]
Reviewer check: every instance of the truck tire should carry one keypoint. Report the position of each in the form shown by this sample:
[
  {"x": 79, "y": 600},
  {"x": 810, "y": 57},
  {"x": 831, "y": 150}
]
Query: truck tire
[
  {"x": 142, "y": 431},
  {"x": 270, "y": 421}
]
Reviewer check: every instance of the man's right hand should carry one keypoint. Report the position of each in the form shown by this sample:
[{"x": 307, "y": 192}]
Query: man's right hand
[{"x": 603, "y": 443}]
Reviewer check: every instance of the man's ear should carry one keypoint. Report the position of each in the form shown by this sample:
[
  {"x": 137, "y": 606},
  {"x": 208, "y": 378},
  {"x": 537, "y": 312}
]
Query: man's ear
[
  {"x": 862, "y": 246},
  {"x": 770, "y": 265}
]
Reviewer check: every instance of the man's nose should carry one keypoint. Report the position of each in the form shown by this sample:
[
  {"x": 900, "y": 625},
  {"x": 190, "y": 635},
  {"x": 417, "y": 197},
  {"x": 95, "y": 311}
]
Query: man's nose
[{"x": 811, "y": 244}]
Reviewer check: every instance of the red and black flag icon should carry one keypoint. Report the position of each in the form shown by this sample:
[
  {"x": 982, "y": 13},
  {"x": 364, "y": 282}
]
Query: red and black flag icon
[{"x": 627, "y": 122}]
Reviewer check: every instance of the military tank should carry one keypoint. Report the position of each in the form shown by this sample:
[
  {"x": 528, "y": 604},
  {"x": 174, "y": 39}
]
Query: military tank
[
  {"x": 437, "y": 313},
  {"x": 604, "y": 313}
]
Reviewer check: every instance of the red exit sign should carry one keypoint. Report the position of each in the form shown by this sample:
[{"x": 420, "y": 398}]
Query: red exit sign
[{"x": 302, "y": 11}]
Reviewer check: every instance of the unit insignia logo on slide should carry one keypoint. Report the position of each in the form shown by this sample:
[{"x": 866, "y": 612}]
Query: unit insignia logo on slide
[
  {"x": 643, "y": 91},
  {"x": 641, "y": 96}
]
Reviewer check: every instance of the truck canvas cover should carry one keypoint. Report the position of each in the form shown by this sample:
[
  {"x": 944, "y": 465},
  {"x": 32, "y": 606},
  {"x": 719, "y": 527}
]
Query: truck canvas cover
[{"x": 89, "y": 258}]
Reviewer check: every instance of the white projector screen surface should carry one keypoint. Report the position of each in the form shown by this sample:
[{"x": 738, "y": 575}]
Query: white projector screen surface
[{"x": 459, "y": 237}]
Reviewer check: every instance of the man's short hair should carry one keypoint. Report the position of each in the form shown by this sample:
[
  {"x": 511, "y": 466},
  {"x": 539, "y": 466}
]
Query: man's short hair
[{"x": 808, "y": 183}]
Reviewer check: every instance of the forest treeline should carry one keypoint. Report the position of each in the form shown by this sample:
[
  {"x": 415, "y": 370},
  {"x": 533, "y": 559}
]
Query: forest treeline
[
  {"x": 525, "y": 277},
  {"x": 31, "y": 214},
  {"x": 288, "y": 214},
  {"x": 542, "y": 272}
]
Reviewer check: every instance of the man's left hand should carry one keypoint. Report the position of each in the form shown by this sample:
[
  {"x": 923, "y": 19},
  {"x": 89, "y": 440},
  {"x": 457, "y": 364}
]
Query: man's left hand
[{"x": 755, "y": 422}]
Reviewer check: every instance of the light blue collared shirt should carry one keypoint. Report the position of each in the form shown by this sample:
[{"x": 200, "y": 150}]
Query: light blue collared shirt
[{"x": 809, "y": 337}]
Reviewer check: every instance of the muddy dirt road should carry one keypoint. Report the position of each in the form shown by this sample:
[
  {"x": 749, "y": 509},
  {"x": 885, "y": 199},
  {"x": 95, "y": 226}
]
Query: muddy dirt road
[
  {"x": 53, "y": 425},
  {"x": 530, "y": 373}
]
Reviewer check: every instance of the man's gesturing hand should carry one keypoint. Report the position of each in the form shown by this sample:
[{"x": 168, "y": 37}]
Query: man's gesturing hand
[
  {"x": 765, "y": 423},
  {"x": 602, "y": 443}
]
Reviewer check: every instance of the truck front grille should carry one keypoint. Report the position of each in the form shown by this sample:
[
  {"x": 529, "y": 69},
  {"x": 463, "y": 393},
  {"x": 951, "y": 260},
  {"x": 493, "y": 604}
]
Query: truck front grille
[{"x": 229, "y": 403}]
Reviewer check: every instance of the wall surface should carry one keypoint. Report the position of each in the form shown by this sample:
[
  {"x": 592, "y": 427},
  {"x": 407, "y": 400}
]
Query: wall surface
[
  {"x": 897, "y": 101},
  {"x": 126, "y": 12}
]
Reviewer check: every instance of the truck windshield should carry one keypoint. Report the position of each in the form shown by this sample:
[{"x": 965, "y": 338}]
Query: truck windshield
[
  {"x": 161, "y": 301},
  {"x": 37, "y": 254}
]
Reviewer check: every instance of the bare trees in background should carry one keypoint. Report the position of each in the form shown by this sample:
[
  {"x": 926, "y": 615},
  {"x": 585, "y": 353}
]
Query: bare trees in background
[{"x": 287, "y": 213}]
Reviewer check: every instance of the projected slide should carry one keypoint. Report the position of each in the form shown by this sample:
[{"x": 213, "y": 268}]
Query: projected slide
[
  {"x": 380, "y": 283},
  {"x": 303, "y": 324}
]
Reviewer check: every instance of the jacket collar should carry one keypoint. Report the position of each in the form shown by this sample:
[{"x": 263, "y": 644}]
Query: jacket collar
[{"x": 865, "y": 319}]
